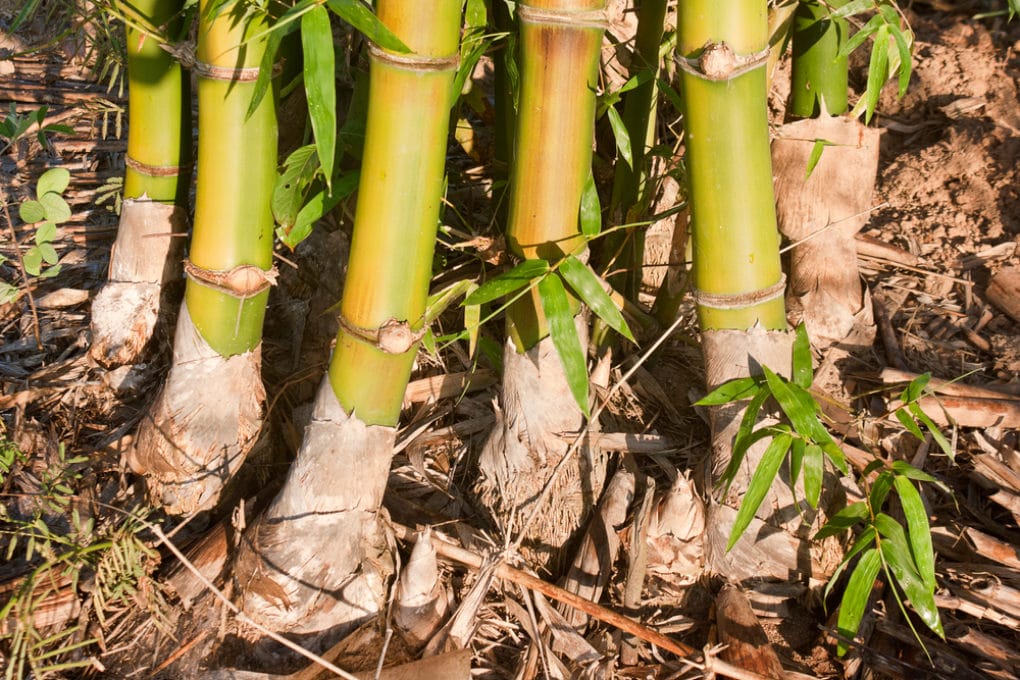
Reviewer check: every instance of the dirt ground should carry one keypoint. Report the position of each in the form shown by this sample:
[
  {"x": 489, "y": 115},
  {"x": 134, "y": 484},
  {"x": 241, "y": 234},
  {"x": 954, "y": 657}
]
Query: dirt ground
[{"x": 947, "y": 201}]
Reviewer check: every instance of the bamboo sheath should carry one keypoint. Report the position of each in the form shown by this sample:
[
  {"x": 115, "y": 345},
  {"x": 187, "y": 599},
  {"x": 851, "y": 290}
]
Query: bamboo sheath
[
  {"x": 236, "y": 172},
  {"x": 397, "y": 215},
  {"x": 733, "y": 222}
]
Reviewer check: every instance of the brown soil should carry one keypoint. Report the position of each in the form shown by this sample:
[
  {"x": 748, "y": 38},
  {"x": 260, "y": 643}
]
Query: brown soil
[{"x": 947, "y": 194}]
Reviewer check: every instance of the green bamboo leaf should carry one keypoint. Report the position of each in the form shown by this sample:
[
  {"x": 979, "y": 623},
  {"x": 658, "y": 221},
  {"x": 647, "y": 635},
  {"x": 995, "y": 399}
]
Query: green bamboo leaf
[
  {"x": 560, "y": 318},
  {"x": 671, "y": 94},
  {"x": 908, "y": 422},
  {"x": 866, "y": 539},
  {"x": 852, "y": 9},
  {"x": 360, "y": 17},
  {"x": 591, "y": 210},
  {"x": 55, "y": 207},
  {"x": 816, "y": 155},
  {"x": 904, "y": 468},
  {"x": 508, "y": 282},
  {"x": 761, "y": 482},
  {"x": 844, "y": 519},
  {"x": 878, "y": 71},
  {"x": 33, "y": 260},
  {"x": 586, "y": 285},
  {"x": 801, "y": 409},
  {"x": 905, "y": 65},
  {"x": 731, "y": 390},
  {"x": 621, "y": 135},
  {"x": 280, "y": 30},
  {"x": 796, "y": 461},
  {"x": 858, "y": 38},
  {"x": 936, "y": 434},
  {"x": 636, "y": 80},
  {"x": 814, "y": 468},
  {"x": 915, "y": 390},
  {"x": 855, "y": 598},
  {"x": 897, "y": 557},
  {"x": 472, "y": 321},
  {"x": 31, "y": 212},
  {"x": 918, "y": 530},
  {"x": 803, "y": 374},
  {"x": 320, "y": 84},
  {"x": 53, "y": 180},
  {"x": 475, "y": 14},
  {"x": 741, "y": 445},
  {"x": 45, "y": 232},
  {"x": 318, "y": 205},
  {"x": 880, "y": 490}
]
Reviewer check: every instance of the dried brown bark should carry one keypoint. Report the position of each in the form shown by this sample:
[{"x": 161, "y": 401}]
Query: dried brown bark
[
  {"x": 821, "y": 213},
  {"x": 145, "y": 258},
  {"x": 202, "y": 426},
  {"x": 318, "y": 560},
  {"x": 536, "y": 416}
]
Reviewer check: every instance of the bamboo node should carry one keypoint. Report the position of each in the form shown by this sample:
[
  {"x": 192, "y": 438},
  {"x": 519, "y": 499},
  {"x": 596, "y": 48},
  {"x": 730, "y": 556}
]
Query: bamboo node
[
  {"x": 740, "y": 300},
  {"x": 585, "y": 18},
  {"x": 247, "y": 74},
  {"x": 718, "y": 62},
  {"x": 242, "y": 282},
  {"x": 392, "y": 337},
  {"x": 152, "y": 170},
  {"x": 414, "y": 62}
]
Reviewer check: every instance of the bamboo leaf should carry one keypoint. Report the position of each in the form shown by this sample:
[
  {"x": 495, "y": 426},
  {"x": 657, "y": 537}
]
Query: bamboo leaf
[
  {"x": 591, "y": 210},
  {"x": 858, "y": 38},
  {"x": 855, "y": 598},
  {"x": 908, "y": 422},
  {"x": 897, "y": 556},
  {"x": 915, "y": 390},
  {"x": 508, "y": 282},
  {"x": 816, "y": 155},
  {"x": 814, "y": 468},
  {"x": 867, "y": 538},
  {"x": 266, "y": 64},
  {"x": 880, "y": 490},
  {"x": 560, "y": 318},
  {"x": 803, "y": 374},
  {"x": 746, "y": 435},
  {"x": 940, "y": 439},
  {"x": 320, "y": 84},
  {"x": 31, "y": 212},
  {"x": 905, "y": 65},
  {"x": 289, "y": 191},
  {"x": 852, "y": 9},
  {"x": 587, "y": 287},
  {"x": 318, "y": 205},
  {"x": 878, "y": 71},
  {"x": 731, "y": 390},
  {"x": 796, "y": 461},
  {"x": 801, "y": 409},
  {"x": 843, "y": 520},
  {"x": 760, "y": 484},
  {"x": 621, "y": 135},
  {"x": 54, "y": 179},
  {"x": 918, "y": 530},
  {"x": 360, "y": 17},
  {"x": 904, "y": 468}
]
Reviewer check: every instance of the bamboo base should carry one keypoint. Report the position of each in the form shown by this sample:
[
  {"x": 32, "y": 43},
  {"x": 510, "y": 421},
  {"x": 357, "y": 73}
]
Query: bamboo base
[
  {"x": 318, "y": 560},
  {"x": 532, "y": 433},
  {"x": 202, "y": 426},
  {"x": 777, "y": 543},
  {"x": 145, "y": 257}
]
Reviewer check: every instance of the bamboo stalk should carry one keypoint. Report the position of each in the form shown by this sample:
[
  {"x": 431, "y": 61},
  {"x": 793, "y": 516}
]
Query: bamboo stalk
[{"x": 819, "y": 74}]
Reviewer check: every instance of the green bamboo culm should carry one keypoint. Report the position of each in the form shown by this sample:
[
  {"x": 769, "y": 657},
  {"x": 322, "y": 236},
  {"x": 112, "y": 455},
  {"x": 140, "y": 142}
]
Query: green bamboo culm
[
  {"x": 397, "y": 215},
  {"x": 159, "y": 104},
  {"x": 236, "y": 172},
  {"x": 559, "y": 56},
  {"x": 819, "y": 73},
  {"x": 631, "y": 190},
  {"x": 737, "y": 270}
]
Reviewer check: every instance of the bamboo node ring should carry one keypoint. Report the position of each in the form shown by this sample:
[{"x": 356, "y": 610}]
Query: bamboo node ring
[
  {"x": 590, "y": 18},
  {"x": 152, "y": 170},
  {"x": 718, "y": 62},
  {"x": 392, "y": 337},
  {"x": 247, "y": 74},
  {"x": 414, "y": 62},
  {"x": 242, "y": 282},
  {"x": 740, "y": 300}
]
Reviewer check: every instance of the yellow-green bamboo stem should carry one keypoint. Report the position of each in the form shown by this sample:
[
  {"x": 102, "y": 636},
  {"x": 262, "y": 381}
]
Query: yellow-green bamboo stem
[
  {"x": 236, "y": 171},
  {"x": 819, "y": 73},
  {"x": 735, "y": 239},
  {"x": 559, "y": 52},
  {"x": 159, "y": 105},
  {"x": 399, "y": 197}
]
